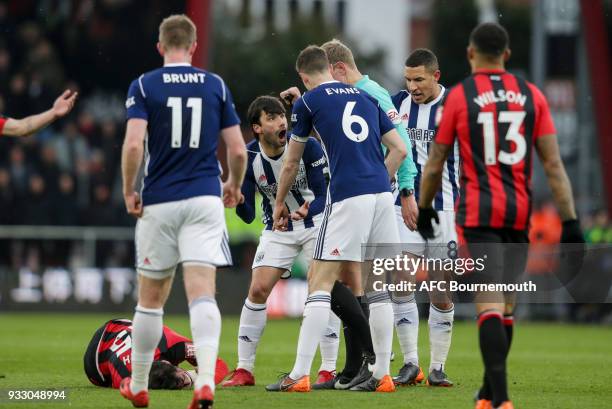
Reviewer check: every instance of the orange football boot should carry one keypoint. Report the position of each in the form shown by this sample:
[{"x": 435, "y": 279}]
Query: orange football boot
[{"x": 139, "y": 400}]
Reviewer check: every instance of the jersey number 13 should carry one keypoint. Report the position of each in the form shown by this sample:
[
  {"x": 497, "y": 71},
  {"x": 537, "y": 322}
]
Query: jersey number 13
[{"x": 515, "y": 119}]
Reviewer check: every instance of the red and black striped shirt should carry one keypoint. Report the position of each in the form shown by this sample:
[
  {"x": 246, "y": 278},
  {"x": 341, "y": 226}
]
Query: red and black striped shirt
[
  {"x": 497, "y": 118},
  {"x": 114, "y": 348}
]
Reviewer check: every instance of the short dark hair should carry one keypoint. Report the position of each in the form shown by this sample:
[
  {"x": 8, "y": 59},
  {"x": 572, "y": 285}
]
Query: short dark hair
[
  {"x": 267, "y": 104},
  {"x": 163, "y": 375},
  {"x": 312, "y": 59},
  {"x": 423, "y": 56},
  {"x": 490, "y": 39}
]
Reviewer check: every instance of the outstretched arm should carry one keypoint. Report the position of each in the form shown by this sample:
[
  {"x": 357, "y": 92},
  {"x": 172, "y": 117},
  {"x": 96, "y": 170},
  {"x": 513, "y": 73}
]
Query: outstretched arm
[{"x": 33, "y": 123}]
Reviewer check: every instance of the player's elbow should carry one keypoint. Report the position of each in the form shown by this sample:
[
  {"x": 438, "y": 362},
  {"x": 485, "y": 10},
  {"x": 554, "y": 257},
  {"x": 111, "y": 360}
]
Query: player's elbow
[
  {"x": 237, "y": 153},
  {"x": 132, "y": 147},
  {"x": 290, "y": 166},
  {"x": 19, "y": 132},
  {"x": 15, "y": 127},
  {"x": 433, "y": 170},
  {"x": 401, "y": 151},
  {"x": 553, "y": 167}
]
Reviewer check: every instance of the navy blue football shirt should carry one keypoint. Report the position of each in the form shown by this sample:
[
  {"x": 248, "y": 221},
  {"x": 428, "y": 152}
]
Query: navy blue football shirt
[
  {"x": 350, "y": 123},
  {"x": 186, "y": 108}
]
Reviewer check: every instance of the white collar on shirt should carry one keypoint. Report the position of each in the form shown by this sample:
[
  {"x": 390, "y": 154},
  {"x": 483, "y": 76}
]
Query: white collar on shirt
[{"x": 178, "y": 64}]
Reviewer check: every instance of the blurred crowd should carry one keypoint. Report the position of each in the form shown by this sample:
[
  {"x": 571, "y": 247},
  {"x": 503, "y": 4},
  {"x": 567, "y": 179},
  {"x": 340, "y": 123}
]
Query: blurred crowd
[{"x": 69, "y": 173}]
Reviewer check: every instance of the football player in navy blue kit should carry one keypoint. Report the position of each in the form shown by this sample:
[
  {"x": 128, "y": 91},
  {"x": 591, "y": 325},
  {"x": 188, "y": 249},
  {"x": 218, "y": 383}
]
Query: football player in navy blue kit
[
  {"x": 175, "y": 117},
  {"x": 359, "y": 208}
]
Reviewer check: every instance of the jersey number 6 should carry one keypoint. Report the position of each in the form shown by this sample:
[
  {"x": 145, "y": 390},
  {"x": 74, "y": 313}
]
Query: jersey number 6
[
  {"x": 348, "y": 119},
  {"x": 176, "y": 105}
]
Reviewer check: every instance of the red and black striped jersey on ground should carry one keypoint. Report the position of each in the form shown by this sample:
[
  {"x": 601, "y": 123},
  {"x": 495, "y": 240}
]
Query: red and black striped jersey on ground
[
  {"x": 115, "y": 349},
  {"x": 2, "y": 122},
  {"x": 497, "y": 117}
]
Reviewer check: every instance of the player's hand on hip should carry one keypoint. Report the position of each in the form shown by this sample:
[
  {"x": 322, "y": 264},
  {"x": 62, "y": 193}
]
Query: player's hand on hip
[
  {"x": 410, "y": 211},
  {"x": 280, "y": 217},
  {"x": 291, "y": 95},
  {"x": 64, "y": 103},
  {"x": 424, "y": 225},
  {"x": 232, "y": 196},
  {"x": 301, "y": 213},
  {"x": 133, "y": 204}
]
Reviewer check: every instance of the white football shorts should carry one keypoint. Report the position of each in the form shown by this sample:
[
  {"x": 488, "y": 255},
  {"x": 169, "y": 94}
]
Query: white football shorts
[
  {"x": 352, "y": 224},
  {"x": 279, "y": 249},
  {"x": 444, "y": 232},
  {"x": 190, "y": 231}
]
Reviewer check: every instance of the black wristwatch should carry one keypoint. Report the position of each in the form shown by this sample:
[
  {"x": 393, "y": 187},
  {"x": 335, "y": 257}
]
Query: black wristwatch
[{"x": 406, "y": 192}]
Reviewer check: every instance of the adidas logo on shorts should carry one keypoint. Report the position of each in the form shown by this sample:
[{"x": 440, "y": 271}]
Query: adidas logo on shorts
[{"x": 335, "y": 252}]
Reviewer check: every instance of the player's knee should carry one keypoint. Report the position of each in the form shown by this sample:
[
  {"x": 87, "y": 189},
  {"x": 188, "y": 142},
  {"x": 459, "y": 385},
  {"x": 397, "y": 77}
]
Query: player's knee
[
  {"x": 321, "y": 282},
  {"x": 443, "y": 306},
  {"x": 258, "y": 293}
]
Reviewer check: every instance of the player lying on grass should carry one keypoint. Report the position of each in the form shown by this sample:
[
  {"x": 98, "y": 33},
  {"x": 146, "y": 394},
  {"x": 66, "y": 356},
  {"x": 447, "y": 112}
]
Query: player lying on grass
[
  {"x": 34, "y": 123},
  {"x": 277, "y": 251},
  {"x": 107, "y": 359}
]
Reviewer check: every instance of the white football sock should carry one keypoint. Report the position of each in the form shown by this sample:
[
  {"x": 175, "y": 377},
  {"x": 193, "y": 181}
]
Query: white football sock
[
  {"x": 381, "y": 325},
  {"x": 147, "y": 328},
  {"x": 406, "y": 317},
  {"x": 252, "y": 323},
  {"x": 205, "y": 320},
  {"x": 440, "y": 333},
  {"x": 316, "y": 317},
  {"x": 330, "y": 341}
]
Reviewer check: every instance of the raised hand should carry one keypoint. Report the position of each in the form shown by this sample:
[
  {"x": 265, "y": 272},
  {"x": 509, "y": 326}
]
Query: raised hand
[{"x": 64, "y": 103}]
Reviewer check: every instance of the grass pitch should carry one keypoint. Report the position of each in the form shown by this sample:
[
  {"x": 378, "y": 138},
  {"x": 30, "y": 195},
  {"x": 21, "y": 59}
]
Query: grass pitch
[{"x": 550, "y": 366}]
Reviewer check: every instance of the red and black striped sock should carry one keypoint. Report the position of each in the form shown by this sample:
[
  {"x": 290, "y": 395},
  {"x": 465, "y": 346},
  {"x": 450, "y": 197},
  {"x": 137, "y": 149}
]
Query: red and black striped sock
[{"x": 494, "y": 349}]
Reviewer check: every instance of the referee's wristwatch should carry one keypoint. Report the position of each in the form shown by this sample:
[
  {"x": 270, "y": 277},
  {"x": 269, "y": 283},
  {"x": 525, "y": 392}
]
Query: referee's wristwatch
[{"x": 406, "y": 192}]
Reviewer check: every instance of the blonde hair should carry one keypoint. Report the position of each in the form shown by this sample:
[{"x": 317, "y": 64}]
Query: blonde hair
[
  {"x": 177, "y": 31},
  {"x": 337, "y": 51}
]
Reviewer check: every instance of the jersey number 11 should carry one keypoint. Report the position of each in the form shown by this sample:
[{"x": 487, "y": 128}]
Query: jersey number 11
[{"x": 176, "y": 105}]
